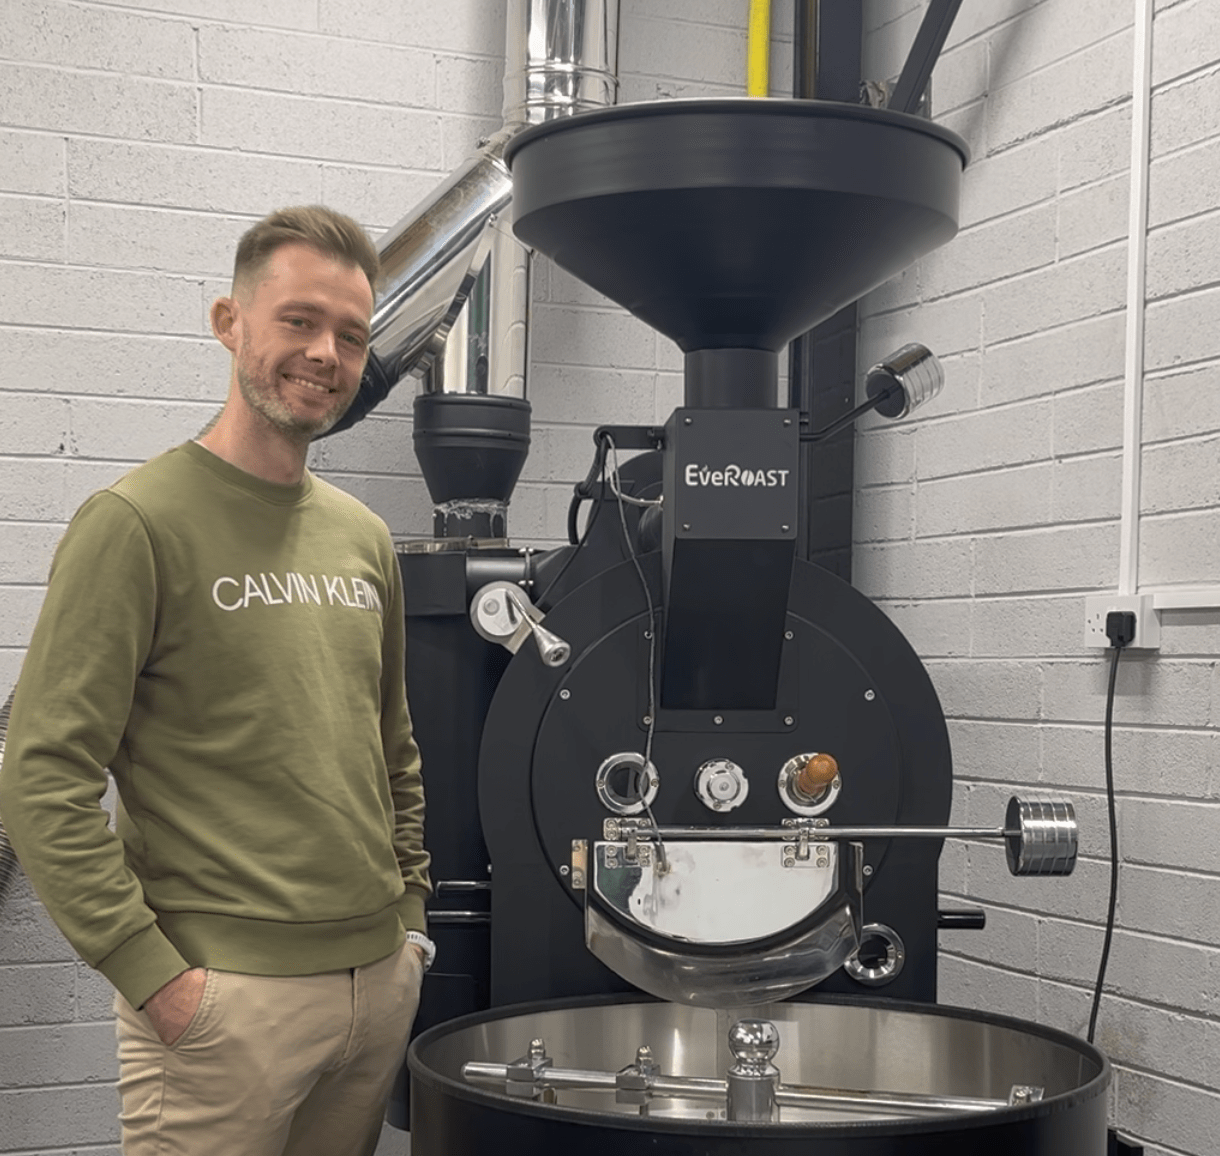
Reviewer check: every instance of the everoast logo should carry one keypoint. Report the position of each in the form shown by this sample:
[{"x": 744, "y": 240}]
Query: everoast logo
[{"x": 734, "y": 475}]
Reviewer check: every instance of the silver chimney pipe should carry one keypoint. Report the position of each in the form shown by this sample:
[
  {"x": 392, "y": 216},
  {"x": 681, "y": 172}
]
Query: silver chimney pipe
[
  {"x": 561, "y": 57},
  {"x": 454, "y": 309}
]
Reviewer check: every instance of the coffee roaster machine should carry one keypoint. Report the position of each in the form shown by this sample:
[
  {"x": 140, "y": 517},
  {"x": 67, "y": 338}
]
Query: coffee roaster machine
[{"x": 687, "y": 791}]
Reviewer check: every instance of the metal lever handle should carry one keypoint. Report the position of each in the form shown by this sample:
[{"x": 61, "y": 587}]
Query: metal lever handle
[
  {"x": 553, "y": 650},
  {"x": 501, "y": 613}
]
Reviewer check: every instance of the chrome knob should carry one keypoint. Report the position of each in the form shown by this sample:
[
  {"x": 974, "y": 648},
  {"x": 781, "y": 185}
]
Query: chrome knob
[
  {"x": 754, "y": 1044},
  {"x": 721, "y": 785}
]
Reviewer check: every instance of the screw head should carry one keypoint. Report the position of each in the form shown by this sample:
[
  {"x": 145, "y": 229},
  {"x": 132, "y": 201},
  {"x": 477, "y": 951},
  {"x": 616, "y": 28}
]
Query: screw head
[
  {"x": 788, "y": 720},
  {"x": 563, "y": 868},
  {"x": 869, "y": 695},
  {"x": 867, "y": 869},
  {"x": 648, "y": 720},
  {"x": 688, "y": 420},
  {"x": 718, "y": 720},
  {"x": 686, "y": 525},
  {"x": 565, "y": 694},
  {"x": 491, "y": 606},
  {"x": 788, "y": 635},
  {"x": 783, "y": 529}
]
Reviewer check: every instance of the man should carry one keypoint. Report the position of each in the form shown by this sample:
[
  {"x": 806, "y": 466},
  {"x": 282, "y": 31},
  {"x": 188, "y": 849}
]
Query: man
[{"x": 224, "y": 631}]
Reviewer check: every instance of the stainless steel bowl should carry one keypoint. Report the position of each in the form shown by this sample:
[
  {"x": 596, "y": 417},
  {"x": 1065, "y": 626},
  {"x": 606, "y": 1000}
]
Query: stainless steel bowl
[{"x": 925, "y": 1051}]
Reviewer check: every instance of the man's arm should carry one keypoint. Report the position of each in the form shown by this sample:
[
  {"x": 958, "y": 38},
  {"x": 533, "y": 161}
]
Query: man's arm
[{"x": 69, "y": 715}]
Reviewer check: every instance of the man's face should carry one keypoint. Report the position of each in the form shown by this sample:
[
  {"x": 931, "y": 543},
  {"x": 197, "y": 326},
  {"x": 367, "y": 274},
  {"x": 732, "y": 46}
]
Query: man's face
[{"x": 301, "y": 338}]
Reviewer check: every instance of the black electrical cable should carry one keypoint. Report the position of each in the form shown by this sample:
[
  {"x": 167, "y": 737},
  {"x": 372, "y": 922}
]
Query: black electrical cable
[
  {"x": 578, "y": 544},
  {"x": 1113, "y": 905},
  {"x": 583, "y": 490}
]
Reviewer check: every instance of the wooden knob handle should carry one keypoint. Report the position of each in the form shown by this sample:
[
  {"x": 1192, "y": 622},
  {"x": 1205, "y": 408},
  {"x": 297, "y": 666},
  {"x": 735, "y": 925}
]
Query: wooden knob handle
[{"x": 817, "y": 774}]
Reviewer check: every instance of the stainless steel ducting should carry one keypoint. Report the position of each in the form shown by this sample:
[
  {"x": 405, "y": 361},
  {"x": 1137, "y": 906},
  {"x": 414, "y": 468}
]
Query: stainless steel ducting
[
  {"x": 455, "y": 280},
  {"x": 454, "y": 311}
]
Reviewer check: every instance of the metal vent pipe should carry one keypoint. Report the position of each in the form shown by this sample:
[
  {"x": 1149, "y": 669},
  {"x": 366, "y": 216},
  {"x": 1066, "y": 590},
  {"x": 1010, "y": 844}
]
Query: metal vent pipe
[{"x": 454, "y": 309}]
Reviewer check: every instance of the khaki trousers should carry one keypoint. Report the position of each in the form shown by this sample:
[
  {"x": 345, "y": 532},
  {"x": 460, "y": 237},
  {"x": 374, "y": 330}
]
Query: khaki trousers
[{"x": 270, "y": 1065}]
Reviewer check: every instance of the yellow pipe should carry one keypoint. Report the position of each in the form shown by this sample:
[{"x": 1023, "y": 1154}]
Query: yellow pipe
[{"x": 758, "y": 49}]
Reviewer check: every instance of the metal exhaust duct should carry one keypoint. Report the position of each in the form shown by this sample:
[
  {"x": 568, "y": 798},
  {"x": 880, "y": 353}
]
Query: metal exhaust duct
[{"x": 454, "y": 310}]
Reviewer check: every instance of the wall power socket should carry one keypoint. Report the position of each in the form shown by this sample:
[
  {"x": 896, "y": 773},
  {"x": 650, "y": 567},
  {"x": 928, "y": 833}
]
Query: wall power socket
[{"x": 1147, "y": 620}]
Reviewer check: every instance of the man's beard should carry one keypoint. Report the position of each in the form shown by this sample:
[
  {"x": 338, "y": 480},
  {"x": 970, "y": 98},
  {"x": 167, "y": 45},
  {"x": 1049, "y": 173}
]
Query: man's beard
[{"x": 261, "y": 389}]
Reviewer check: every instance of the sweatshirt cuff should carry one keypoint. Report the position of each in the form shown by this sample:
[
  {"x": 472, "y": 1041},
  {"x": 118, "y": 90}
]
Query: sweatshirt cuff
[
  {"x": 144, "y": 964},
  {"x": 411, "y": 910}
]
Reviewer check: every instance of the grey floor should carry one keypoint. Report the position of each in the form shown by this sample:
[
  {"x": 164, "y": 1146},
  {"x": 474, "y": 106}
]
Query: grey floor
[{"x": 393, "y": 1142}]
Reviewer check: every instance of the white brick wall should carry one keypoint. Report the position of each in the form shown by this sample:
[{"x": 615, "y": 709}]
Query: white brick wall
[
  {"x": 137, "y": 141},
  {"x": 981, "y": 525}
]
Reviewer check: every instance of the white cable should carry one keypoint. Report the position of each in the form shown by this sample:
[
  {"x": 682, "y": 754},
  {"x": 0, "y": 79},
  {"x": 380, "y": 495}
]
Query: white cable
[
  {"x": 616, "y": 489},
  {"x": 662, "y": 858}
]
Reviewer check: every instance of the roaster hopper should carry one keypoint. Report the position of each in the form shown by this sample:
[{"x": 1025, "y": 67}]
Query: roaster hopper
[{"x": 722, "y": 777}]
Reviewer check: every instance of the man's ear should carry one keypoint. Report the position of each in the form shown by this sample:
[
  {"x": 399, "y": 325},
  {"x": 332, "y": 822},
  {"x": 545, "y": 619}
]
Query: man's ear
[{"x": 223, "y": 316}]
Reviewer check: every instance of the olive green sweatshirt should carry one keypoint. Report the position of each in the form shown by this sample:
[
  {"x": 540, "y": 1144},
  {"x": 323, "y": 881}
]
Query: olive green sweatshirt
[{"x": 232, "y": 650}]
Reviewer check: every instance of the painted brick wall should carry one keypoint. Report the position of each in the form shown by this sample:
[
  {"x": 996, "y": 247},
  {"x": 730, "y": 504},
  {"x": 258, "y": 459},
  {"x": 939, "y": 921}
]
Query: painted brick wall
[
  {"x": 137, "y": 141},
  {"x": 982, "y": 524}
]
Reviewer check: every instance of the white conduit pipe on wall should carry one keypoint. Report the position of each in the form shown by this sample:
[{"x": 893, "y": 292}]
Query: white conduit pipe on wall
[
  {"x": 1166, "y": 598},
  {"x": 1137, "y": 277}
]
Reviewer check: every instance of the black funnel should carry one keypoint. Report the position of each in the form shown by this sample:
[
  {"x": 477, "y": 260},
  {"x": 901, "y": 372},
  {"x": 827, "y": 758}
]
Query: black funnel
[
  {"x": 731, "y": 226},
  {"x": 736, "y": 224}
]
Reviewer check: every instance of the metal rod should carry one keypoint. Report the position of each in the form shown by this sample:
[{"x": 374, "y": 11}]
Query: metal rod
[
  {"x": 795, "y": 1096},
  {"x": 929, "y": 40},
  {"x": 846, "y": 419},
  {"x": 689, "y": 1087},
  {"x": 574, "y": 1079},
  {"x": 711, "y": 1088},
  {"x": 824, "y": 834},
  {"x": 458, "y": 917}
]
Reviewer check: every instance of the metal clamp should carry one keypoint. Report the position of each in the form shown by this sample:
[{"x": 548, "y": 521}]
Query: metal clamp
[{"x": 523, "y": 1076}]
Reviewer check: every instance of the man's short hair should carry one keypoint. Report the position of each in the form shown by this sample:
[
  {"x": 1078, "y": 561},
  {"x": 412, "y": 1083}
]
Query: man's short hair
[{"x": 331, "y": 233}]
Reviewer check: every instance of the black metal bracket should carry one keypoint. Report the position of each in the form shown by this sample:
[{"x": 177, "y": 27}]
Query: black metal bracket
[
  {"x": 827, "y": 42},
  {"x": 632, "y": 437},
  {"x": 929, "y": 40},
  {"x": 1120, "y": 1147}
]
